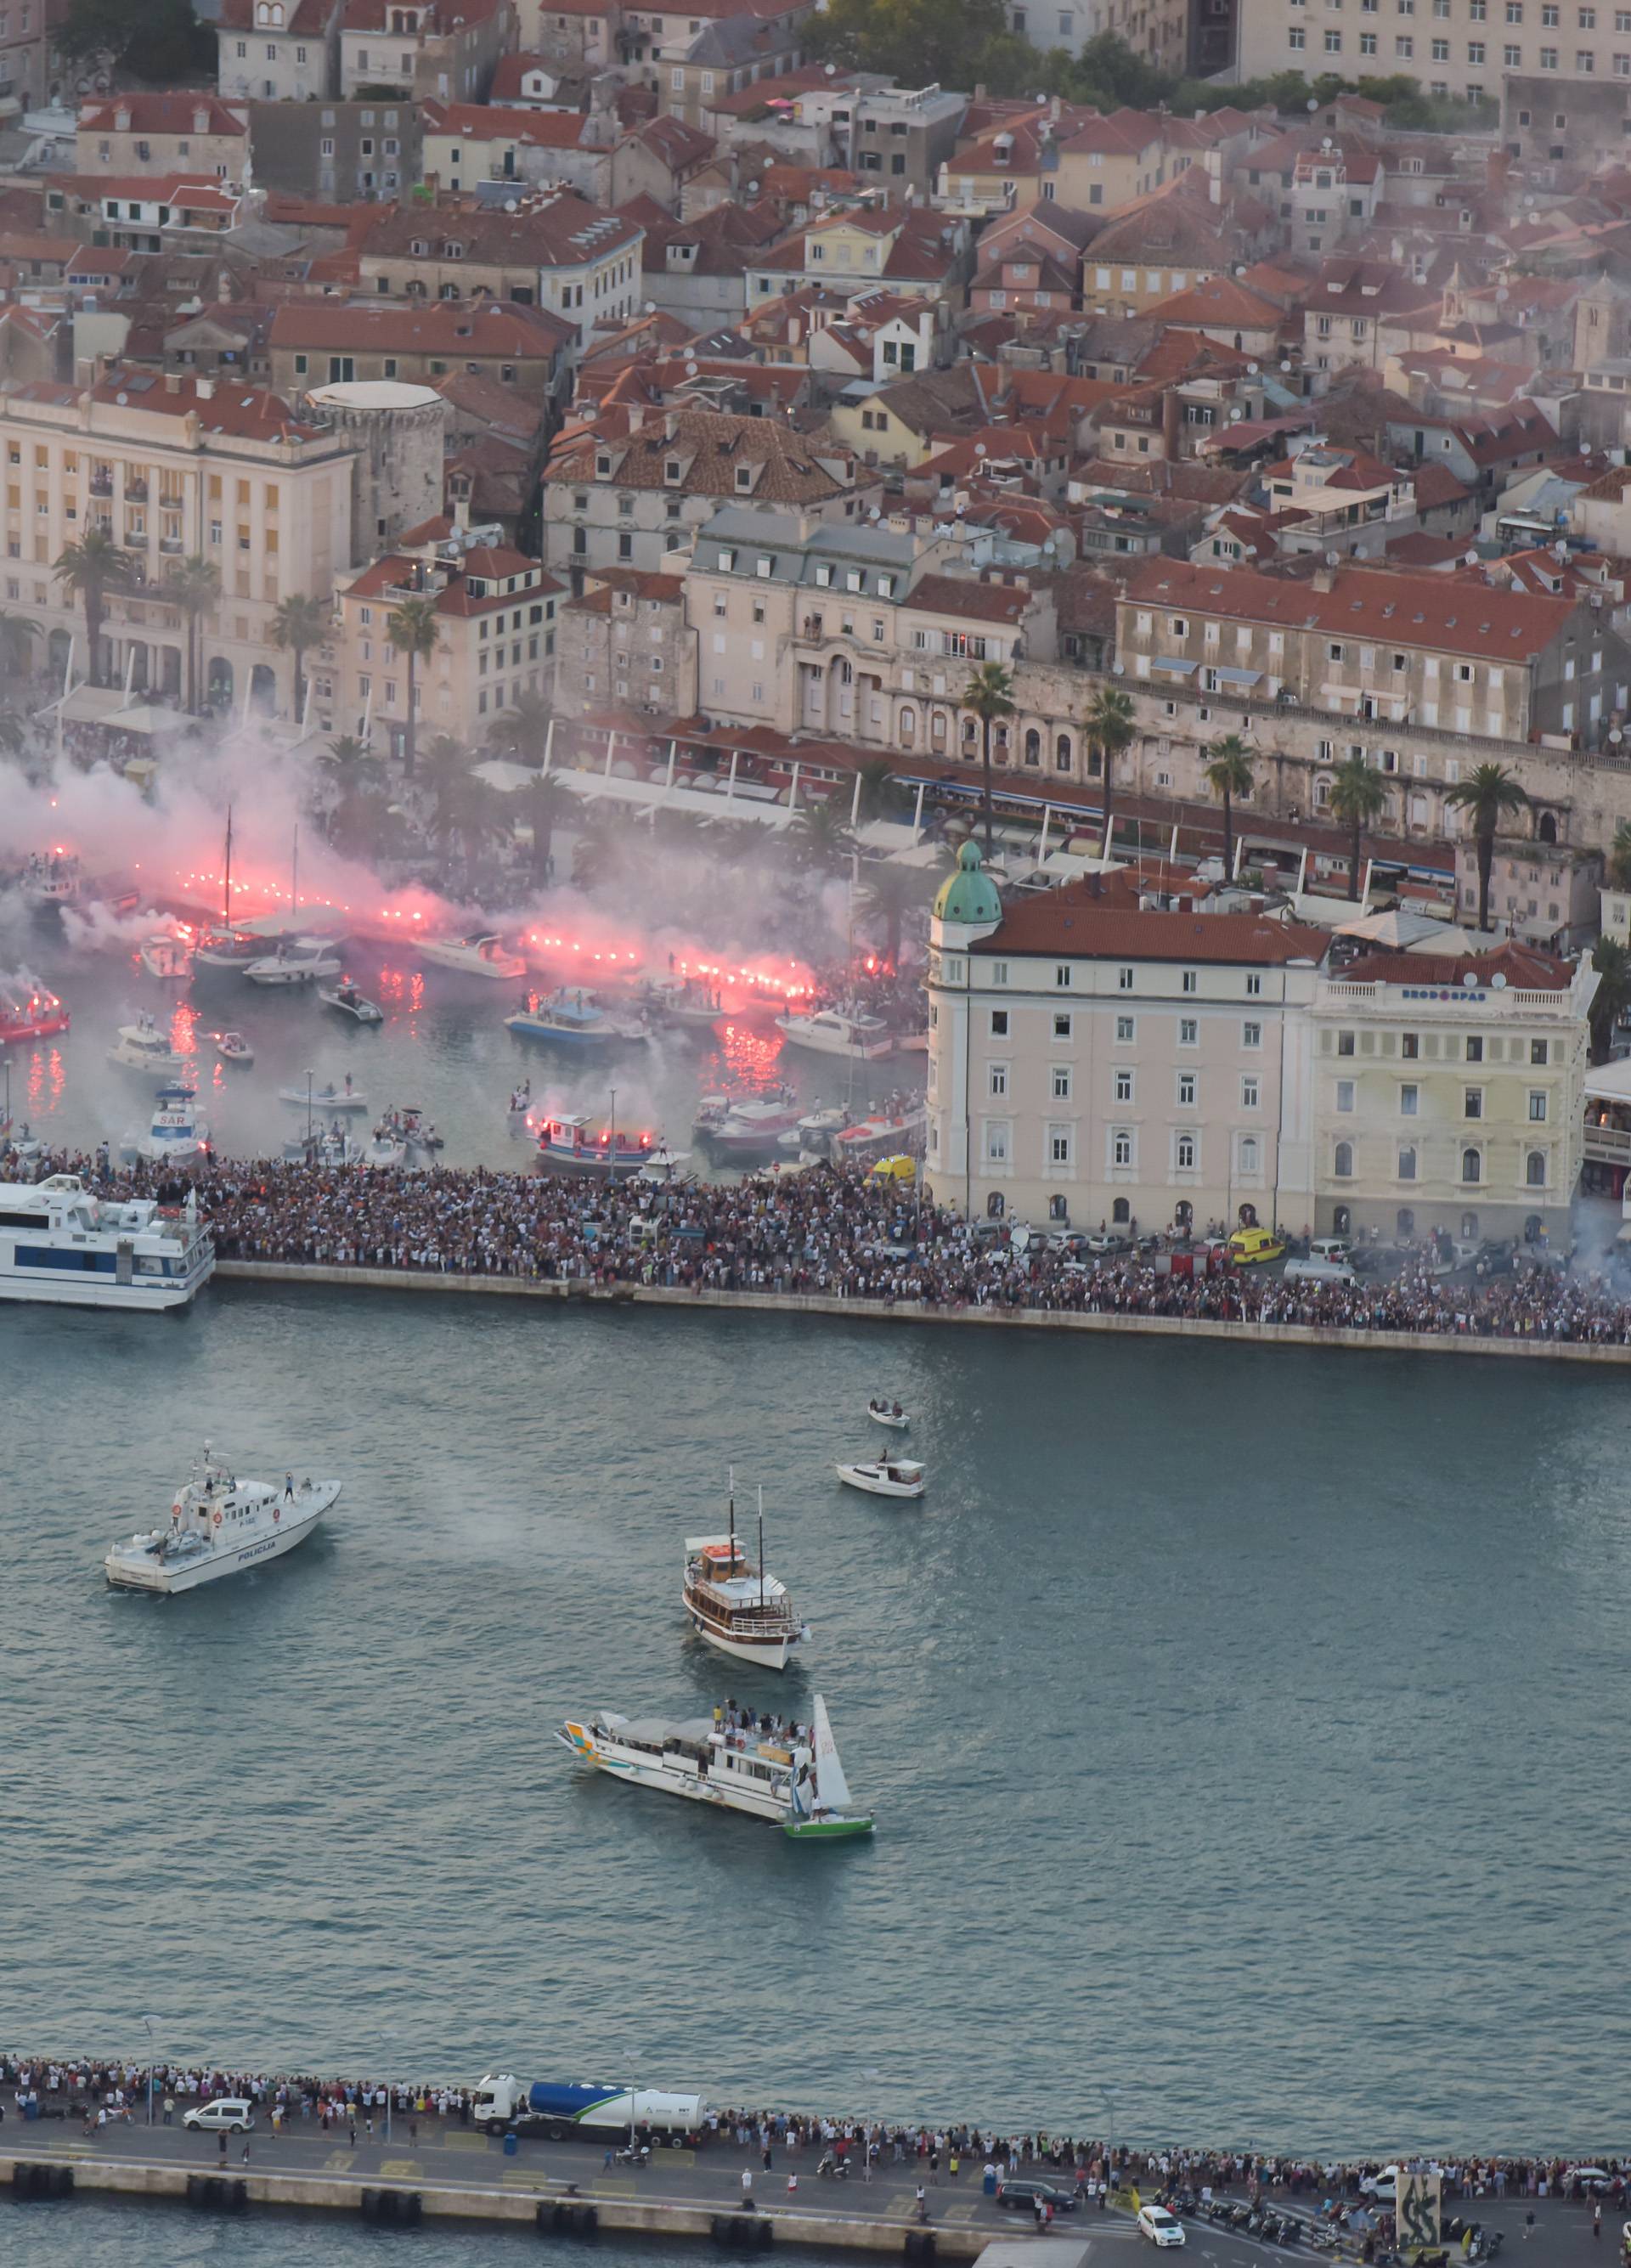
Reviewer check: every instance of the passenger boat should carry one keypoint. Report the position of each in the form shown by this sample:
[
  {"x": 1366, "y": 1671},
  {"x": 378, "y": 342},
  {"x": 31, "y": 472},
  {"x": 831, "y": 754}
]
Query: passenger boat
[
  {"x": 733, "y": 1604},
  {"x": 577, "y": 1020},
  {"x": 176, "y": 1136},
  {"x": 233, "y": 1048},
  {"x": 888, "y": 1413},
  {"x": 571, "y": 1140},
  {"x": 790, "y": 1775},
  {"x": 51, "y": 879},
  {"x": 142, "y": 1046},
  {"x": 219, "y": 1525},
  {"x": 325, "y": 1098},
  {"x": 884, "y": 1132},
  {"x": 685, "y": 1000},
  {"x": 298, "y": 961},
  {"x": 664, "y": 1163},
  {"x": 890, "y": 1476},
  {"x": 61, "y": 1244},
  {"x": 349, "y": 1001},
  {"x": 482, "y": 954},
  {"x": 751, "y": 1130},
  {"x": 28, "y": 1012},
  {"x": 844, "y": 1032}
]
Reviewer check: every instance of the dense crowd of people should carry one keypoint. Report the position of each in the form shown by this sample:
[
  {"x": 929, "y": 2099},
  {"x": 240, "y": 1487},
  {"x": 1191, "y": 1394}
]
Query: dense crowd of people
[
  {"x": 93, "y": 2088},
  {"x": 823, "y": 1232}
]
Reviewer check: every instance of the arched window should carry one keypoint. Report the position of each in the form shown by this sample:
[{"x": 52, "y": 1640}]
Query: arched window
[
  {"x": 937, "y": 729},
  {"x": 994, "y": 1203},
  {"x": 1062, "y": 752},
  {"x": 970, "y": 731},
  {"x": 1404, "y": 1222},
  {"x": 1249, "y": 1154},
  {"x": 1322, "y": 794},
  {"x": 1186, "y": 1153},
  {"x": 1469, "y": 1226},
  {"x": 1121, "y": 1212},
  {"x": 1535, "y": 1169},
  {"x": 1033, "y": 746},
  {"x": 263, "y": 14},
  {"x": 1342, "y": 1163},
  {"x": 1471, "y": 1165},
  {"x": 1546, "y": 830},
  {"x": 1247, "y": 1217},
  {"x": 1058, "y": 1206},
  {"x": 908, "y": 725},
  {"x": 671, "y": 542},
  {"x": 1183, "y": 1213},
  {"x": 1342, "y": 1221}
]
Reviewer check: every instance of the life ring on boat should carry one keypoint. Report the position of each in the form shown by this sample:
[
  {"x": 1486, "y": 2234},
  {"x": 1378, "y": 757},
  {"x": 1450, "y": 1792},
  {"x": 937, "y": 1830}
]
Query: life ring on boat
[
  {"x": 278, "y": 1512},
  {"x": 217, "y": 1518}
]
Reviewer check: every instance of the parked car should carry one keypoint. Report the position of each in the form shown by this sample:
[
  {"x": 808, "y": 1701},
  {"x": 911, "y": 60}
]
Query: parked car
[
  {"x": 1109, "y": 1240},
  {"x": 1159, "y": 2225},
  {"x": 1025, "y": 2194},
  {"x": 228, "y": 2114},
  {"x": 1319, "y": 1271}
]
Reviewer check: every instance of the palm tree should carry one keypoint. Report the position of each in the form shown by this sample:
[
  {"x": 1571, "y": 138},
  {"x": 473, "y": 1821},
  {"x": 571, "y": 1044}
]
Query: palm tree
[
  {"x": 414, "y": 630},
  {"x": 298, "y": 624},
  {"x": 877, "y": 786},
  {"x": 542, "y": 805},
  {"x": 1357, "y": 797},
  {"x": 1619, "y": 858},
  {"x": 892, "y": 893},
  {"x": 357, "y": 771},
  {"x": 1230, "y": 772},
  {"x": 192, "y": 588},
  {"x": 522, "y": 730},
  {"x": 821, "y": 835},
  {"x": 446, "y": 766},
  {"x": 16, "y": 632},
  {"x": 1612, "y": 963},
  {"x": 989, "y": 695},
  {"x": 93, "y": 569},
  {"x": 1111, "y": 729},
  {"x": 1487, "y": 796}
]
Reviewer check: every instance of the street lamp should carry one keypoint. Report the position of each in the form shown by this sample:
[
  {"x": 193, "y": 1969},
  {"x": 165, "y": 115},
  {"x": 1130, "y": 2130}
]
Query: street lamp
[
  {"x": 148, "y": 2022},
  {"x": 310, "y": 1076}
]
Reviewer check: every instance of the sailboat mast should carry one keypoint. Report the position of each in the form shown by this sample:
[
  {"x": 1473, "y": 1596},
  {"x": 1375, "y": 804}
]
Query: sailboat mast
[
  {"x": 730, "y": 1505},
  {"x": 294, "y": 875},
  {"x": 761, "y": 1549},
  {"x": 227, "y": 888}
]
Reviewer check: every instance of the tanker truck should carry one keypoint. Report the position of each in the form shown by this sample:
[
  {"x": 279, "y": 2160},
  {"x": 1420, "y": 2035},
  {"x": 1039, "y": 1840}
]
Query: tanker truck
[{"x": 501, "y": 2101}]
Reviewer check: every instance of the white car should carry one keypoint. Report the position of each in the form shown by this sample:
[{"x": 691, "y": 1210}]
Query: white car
[
  {"x": 227, "y": 2115},
  {"x": 1383, "y": 2187},
  {"x": 1159, "y": 2225}
]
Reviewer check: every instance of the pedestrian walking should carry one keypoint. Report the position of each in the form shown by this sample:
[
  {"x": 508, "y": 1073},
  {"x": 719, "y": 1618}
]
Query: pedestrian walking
[
  {"x": 746, "y": 2184},
  {"x": 352, "y": 2122},
  {"x": 244, "y": 2159},
  {"x": 793, "y": 2187},
  {"x": 1597, "y": 2218},
  {"x": 1529, "y": 2226}
]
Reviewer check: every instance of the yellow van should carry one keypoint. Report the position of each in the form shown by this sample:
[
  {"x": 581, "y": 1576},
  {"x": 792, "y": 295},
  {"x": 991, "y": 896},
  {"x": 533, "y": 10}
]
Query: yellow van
[
  {"x": 899, "y": 1168},
  {"x": 1249, "y": 1247}
]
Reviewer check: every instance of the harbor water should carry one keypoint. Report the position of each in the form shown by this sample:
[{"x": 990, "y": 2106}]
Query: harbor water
[{"x": 1244, "y": 1726}]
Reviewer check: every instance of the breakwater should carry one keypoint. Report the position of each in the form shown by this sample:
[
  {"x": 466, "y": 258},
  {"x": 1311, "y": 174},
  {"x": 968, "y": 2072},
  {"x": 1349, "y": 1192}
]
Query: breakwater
[{"x": 1112, "y": 1322}]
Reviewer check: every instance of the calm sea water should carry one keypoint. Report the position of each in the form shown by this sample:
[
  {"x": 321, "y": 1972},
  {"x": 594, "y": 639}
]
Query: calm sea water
[{"x": 1246, "y": 1728}]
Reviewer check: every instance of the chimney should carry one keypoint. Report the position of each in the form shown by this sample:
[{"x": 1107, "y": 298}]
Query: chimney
[
  {"x": 171, "y": 381},
  {"x": 204, "y": 389},
  {"x": 1324, "y": 578}
]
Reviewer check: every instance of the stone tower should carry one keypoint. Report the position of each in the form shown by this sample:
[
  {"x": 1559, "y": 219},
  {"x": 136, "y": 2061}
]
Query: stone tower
[{"x": 397, "y": 474}]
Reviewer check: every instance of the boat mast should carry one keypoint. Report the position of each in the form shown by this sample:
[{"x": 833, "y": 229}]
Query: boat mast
[
  {"x": 294, "y": 875},
  {"x": 730, "y": 1506},
  {"x": 761, "y": 1549},
  {"x": 226, "y": 890}
]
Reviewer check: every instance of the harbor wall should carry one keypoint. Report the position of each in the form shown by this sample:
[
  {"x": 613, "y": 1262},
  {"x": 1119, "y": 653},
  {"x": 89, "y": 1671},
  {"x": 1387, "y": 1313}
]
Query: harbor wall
[{"x": 578, "y": 1292}]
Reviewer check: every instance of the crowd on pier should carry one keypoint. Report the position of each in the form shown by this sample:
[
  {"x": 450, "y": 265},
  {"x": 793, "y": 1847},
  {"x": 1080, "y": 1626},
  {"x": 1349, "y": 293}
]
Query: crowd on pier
[
  {"x": 76, "y": 2087},
  {"x": 822, "y": 1231}
]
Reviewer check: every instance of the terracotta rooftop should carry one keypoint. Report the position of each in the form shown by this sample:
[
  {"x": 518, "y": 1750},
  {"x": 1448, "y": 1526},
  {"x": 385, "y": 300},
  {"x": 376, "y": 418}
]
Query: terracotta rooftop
[{"x": 1071, "y": 922}]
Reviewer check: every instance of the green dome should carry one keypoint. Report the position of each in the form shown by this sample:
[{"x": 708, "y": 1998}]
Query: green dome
[{"x": 970, "y": 895}]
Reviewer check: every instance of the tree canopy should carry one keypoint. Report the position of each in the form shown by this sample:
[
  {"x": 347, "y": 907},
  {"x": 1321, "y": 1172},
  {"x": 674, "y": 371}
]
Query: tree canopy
[{"x": 162, "y": 41}]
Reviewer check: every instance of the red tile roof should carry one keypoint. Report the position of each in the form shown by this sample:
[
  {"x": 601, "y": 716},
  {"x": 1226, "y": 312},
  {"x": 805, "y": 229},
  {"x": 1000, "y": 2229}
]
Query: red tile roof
[
  {"x": 956, "y": 594},
  {"x": 1072, "y": 922},
  {"x": 160, "y": 113},
  {"x": 1521, "y": 965},
  {"x": 451, "y": 327}
]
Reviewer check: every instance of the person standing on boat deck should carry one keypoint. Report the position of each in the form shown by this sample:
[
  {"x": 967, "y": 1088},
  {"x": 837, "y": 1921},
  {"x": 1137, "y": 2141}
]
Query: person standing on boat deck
[{"x": 288, "y": 1488}]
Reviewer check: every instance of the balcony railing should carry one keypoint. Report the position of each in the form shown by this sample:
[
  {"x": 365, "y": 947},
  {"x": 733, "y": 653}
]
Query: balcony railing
[
  {"x": 136, "y": 491},
  {"x": 101, "y": 484},
  {"x": 1608, "y": 1145}
]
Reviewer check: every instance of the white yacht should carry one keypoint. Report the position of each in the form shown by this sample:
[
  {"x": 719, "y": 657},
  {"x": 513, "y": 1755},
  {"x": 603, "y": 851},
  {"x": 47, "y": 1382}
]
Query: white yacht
[
  {"x": 177, "y": 1135},
  {"x": 167, "y": 954},
  {"x": 884, "y": 1476},
  {"x": 733, "y": 1604},
  {"x": 61, "y": 1244},
  {"x": 328, "y": 1097},
  {"x": 789, "y": 1774},
  {"x": 218, "y": 1525},
  {"x": 837, "y": 1032},
  {"x": 145, "y": 1046},
  {"x": 300, "y": 962},
  {"x": 480, "y": 955}
]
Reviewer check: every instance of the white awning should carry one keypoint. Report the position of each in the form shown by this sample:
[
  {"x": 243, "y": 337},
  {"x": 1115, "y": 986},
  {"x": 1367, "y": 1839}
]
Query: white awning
[
  {"x": 1237, "y": 676},
  {"x": 1609, "y": 1082},
  {"x": 1173, "y": 668}
]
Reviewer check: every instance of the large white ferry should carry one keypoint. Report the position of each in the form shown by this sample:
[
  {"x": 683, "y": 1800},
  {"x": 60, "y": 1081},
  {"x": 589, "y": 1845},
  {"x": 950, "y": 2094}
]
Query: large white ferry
[
  {"x": 789, "y": 1774},
  {"x": 61, "y": 1243},
  {"x": 218, "y": 1525}
]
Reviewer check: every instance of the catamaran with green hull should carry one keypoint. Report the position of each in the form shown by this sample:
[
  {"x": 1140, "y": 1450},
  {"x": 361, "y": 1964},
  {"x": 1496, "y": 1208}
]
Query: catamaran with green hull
[{"x": 789, "y": 1774}]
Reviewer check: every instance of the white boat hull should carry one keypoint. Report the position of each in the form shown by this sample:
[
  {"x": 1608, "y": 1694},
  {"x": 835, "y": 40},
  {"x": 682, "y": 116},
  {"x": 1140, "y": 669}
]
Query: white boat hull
[
  {"x": 873, "y": 1484},
  {"x": 888, "y": 1417},
  {"x": 638, "y": 1772},
  {"x": 769, "y": 1653},
  {"x": 67, "y": 1292},
  {"x": 846, "y": 1050},
  {"x": 125, "y": 1573}
]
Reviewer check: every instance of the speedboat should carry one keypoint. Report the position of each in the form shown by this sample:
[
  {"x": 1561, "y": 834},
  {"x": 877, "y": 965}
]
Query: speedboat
[
  {"x": 335, "y": 1148},
  {"x": 789, "y": 1774},
  {"x": 888, "y": 1413},
  {"x": 143, "y": 1046},
  {"x": 574, "y": 1143},
  {"x": 225, "y": 949},
  {"x": 752, "y": 1129},
  {"x": 219, "y": 1525},
  {"x": 482, "y": 954},
  {"x": 325, "y": 1098},
  {"x": 576, "y": 1020},
  {"x": 837, "y": 1032},
  {"x": 521, "y": 1104},
  {"x": 346, "y": 997},
  {"x": 177, "y": 1136},
  {"x": 733, "y": 1604},
  {"x": 168, "y": 955},
  {"x": 25, "y": 1146},
  {"x": 387, "y": 1148},
  {"x": 301, "y": 961},
  {"x": 233, "y": 1048},
  {"x": 409, "y": 1123},
  {"x": 890, "y": 1476},
  {"x": 28, "y": 1012}
]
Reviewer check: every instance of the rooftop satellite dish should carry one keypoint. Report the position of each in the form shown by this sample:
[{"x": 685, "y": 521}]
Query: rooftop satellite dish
[
  {"x": 690, "y": 370},
  {"x": 1470, "y": 559},
  {"x": 1497, "y": 983},
  {"x": 980, "y": 448},
  {"x": 1285, "y": 366},
  {"x": 1469, "y": 979},
  {"x": 1236, "y": 415},
  {"x": 833, "y": 70},
  {"x": 1331, "y": 558},
  {"x": 1251, "y": 370},
  {"x": 1616, "y": 735},
  {"x": 1313, "y": 104},
  {"x": 651, "y": 307}
]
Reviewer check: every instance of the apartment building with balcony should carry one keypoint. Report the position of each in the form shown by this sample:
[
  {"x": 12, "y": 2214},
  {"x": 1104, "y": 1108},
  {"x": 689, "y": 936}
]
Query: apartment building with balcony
[
  {"x": 1090, "y": 1061},
  {"x": 1448, "y": 1093},
  {"x": 175, "y": 467},
  {"x": 1366, "y": 642}
]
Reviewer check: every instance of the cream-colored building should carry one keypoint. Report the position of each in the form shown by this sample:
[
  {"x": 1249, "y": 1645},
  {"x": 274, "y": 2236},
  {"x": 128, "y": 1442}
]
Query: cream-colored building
[
  {"x": 278, "y": 50},
  {"x": 1459, "y": 47},
  {"x": 1448, "y": 1093},
  {"x": 129, "y": 135},
  {"x": 1090, "y": 1061},
  {"x": 173, "y": 468}
]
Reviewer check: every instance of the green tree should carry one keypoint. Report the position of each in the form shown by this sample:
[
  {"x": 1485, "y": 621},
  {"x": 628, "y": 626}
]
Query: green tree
[
  {"x": 193, "y": 587},
  {"x": 1619, "y": 858},
  {"x": 913, "y": 40},
  {"x": 93, "y": 569},
  {"x": 1488, "y": 794},
  {"x": 446, "y": 768},
  {"x": 522, "y": 730},
  {"x": 16, "y": 635},
  {"x": 298, "y": 624},
  {"x": 1357, "y": 797},
  {"x": 414, "y": 630},
  {"x": 354, "y": 822},
  {"x": 892, "y": 893},
  {"x": 1613, "y": 996},
  {"x": 878, "y": 786},
  {"x": 1110, "y": 731},
  {"x": 161, "y": 41},
  {"x": 544, "y": 805},
  {"x": 989, "y": 696},
  {"x": 820, "y": 834},
  {"x": 1228, "y": 773}
]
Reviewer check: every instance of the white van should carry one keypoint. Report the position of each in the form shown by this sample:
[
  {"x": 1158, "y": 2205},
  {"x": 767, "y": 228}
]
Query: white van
[
  {"x": 227, "y": 2115},
  {"x": 1313, "y": 1270},
  {"x": 1331, "y": 1248}
]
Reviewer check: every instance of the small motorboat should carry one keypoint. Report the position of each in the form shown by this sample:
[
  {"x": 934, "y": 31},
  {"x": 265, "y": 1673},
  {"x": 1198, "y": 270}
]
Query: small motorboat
[
  {"x": 815, "y": 1130},
  {"x": 325, "y": 1098},
  {"x": 888, "y": 1413},
  {"x": 233, "y": 1048},
  {"x": 482, "y": 954},
  {"x": 335, "y": 1148},
  {"x": 890, "y": 1476},
  {"x": 143, "y": 1046},
  {"x": 168, "y": 955},
  {"x": 349, "y": 1001},
  {"x": 387, "y": 1148},
  {"x": 27, "y": 1011},
  {"x": 849, "y": 1032},
  {"x": 521, "y": 1104},
  {"x": 24, "y": 1145},
  {"x": 576, "y": 1020},
  {"x": 664, "y": 1166}
]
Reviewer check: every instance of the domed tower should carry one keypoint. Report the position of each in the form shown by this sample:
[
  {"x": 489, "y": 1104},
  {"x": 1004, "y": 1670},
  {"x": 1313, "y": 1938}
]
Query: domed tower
[
  {"x": 396, "y": 472},
  {"x": 968, "y": 907}
]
